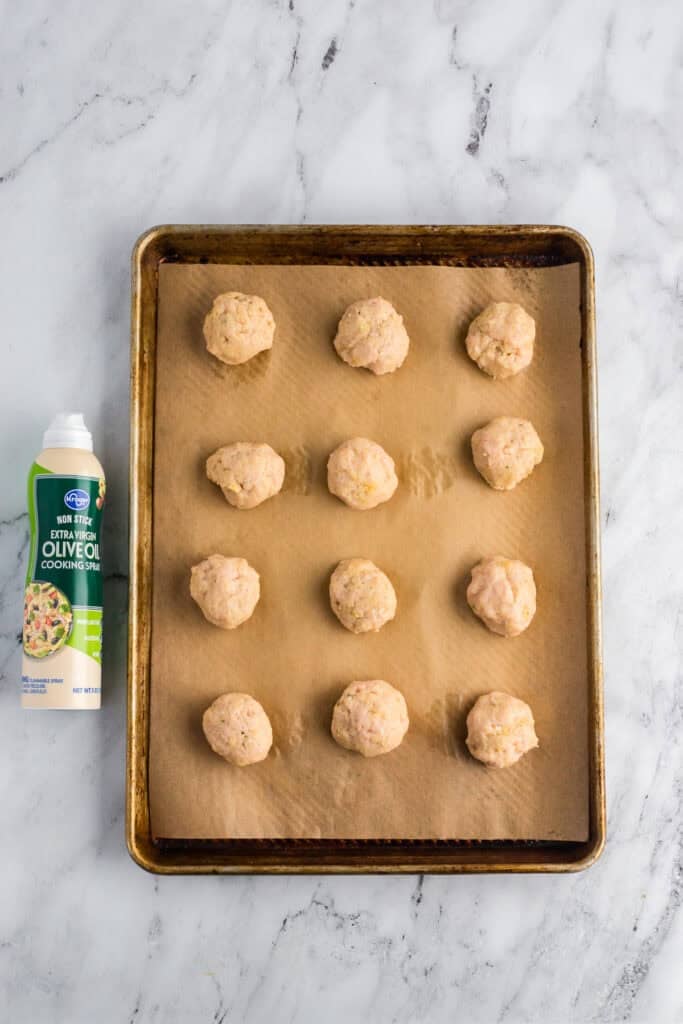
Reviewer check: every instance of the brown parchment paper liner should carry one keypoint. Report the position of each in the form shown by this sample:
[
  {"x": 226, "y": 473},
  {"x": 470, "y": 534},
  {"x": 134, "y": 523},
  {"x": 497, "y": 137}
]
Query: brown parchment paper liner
[{"x": 293, "y": 655}]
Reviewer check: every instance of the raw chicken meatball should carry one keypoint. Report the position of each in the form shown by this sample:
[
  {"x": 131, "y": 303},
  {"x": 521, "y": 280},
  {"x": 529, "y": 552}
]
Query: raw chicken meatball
[
  {"x": 238, "y": 327},
  {"x": 226, "y": 589},
  {"x": 500, "y": 730},
  {"x": 361, "y": 473},
  {"x": 246, "y": 473},
  {"x": 506, "y": 451},
  {"x": 371, "y": 334},
  {"x": 238, "y": 729},
  {"x": 370, "y": 717},
  {"x": 501, "y": 339},
  {"x": 502, "y": 593},
  {"x": 361, "y": 595}
]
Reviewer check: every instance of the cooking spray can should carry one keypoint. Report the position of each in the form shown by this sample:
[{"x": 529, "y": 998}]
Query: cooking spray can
[{"x": 62, "y": 632}]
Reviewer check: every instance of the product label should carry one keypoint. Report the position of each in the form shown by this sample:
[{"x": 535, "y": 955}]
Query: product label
[{"x": 62, "y": 631}]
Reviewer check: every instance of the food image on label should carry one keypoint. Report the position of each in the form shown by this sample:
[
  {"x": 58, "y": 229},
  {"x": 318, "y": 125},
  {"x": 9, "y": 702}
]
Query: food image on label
[{"x": 48, "y": 619}]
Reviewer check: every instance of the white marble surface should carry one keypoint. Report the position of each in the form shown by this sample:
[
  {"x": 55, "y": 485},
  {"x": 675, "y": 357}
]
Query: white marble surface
[{"x": 121, "y": 115}]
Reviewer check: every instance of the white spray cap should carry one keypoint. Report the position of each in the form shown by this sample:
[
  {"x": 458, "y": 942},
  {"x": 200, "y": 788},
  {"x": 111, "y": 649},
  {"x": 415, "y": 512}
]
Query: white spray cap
[{"x": 68, "y": 430}]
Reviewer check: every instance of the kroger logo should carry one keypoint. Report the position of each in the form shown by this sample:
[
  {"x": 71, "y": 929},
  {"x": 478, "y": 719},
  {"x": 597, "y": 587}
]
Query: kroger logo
[{"x": 77, "y": 500}]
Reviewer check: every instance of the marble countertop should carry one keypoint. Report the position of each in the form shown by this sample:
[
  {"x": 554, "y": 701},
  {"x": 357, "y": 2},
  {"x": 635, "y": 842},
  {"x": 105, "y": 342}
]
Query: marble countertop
[{"x": 293, "y": 111}]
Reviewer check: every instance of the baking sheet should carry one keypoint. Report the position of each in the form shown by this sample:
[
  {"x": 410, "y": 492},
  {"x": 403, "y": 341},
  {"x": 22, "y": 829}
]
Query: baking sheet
[{"x": 293, "y": 655}]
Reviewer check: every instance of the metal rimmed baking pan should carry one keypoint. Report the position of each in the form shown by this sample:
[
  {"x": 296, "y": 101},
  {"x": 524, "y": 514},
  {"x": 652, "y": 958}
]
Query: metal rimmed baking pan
[{"x": 511, "y": 247}]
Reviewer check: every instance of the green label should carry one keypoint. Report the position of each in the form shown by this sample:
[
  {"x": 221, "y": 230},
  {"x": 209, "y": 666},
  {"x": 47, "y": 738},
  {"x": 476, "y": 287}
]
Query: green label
[
  {"x": 63, "y": 598},
  {"x": 86, "y": 632}
]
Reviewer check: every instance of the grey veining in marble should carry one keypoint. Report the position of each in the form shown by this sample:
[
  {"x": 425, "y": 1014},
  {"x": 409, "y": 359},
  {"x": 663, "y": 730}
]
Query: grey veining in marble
[{"x": 121, "y": 115}]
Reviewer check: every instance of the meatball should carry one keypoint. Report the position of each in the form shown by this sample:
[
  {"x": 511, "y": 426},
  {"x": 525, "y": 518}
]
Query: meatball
[
  {"x": 238, "y": 327},
  {"x": 371, "y": 334},
  {"x": 226, "y": 589},
  {"x": 361, "y": 595},
  {"x": 502, "y": 593},
  {"x": 506, "y": 451},
  {"x": 238, "y": 729},
  {"x": 501, "y": 339},
  {"x": 361, "y": 473},
  {"x": 370, "y": 717},
  {"x": 246, "y": 473},
  {"x": 500, "y": 730}
]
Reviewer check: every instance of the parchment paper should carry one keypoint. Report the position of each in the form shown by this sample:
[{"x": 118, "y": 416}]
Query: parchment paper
[{"x": 293, "y": 655}]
